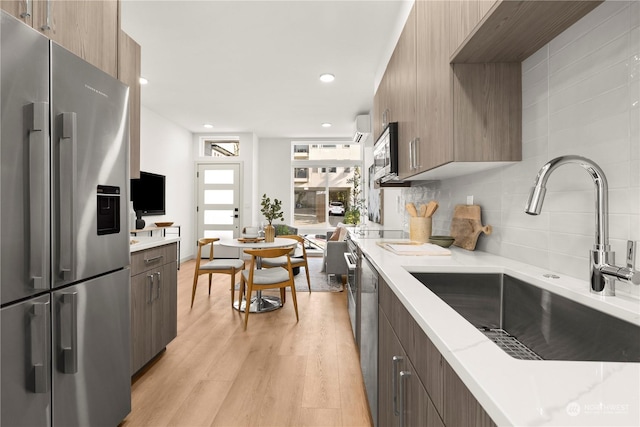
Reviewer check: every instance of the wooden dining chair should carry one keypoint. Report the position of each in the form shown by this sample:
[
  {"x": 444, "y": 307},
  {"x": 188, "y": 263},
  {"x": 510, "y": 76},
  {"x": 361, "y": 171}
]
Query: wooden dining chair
[
  {"x": 255, "y": 279},
  {"x": 215, "y": 266},
  {"x": 295, "y": 261}
]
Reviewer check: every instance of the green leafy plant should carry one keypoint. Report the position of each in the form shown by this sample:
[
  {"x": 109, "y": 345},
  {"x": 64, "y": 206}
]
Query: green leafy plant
[
  {"x": 271, "y": 211},
  {"x": 358, "y": 203}
]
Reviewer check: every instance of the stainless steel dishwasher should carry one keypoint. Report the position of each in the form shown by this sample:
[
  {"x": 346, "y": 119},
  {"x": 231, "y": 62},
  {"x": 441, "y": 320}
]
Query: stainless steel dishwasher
[{"x": 369, "y": 333}]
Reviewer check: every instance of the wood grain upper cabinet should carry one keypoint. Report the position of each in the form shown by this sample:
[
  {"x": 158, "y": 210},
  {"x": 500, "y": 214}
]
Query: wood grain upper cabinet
[
  {"x": 129, "y": 69},
  {"x": 434, "y": 103},
  {"x": 381, "y": 107},
  {"x": 402, "y": 92},
  {"x": 464, "y": 17},
  {"x": 85, "y": 27}
]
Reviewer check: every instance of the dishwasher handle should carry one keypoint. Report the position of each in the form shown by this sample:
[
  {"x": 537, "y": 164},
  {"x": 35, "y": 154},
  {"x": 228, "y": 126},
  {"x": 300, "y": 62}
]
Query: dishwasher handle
[{"x": 350, "y": 260}]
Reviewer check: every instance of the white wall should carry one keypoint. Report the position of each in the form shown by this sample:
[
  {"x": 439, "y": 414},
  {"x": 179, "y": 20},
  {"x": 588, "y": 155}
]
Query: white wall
[
  {"x": 275, "y": 172},
  {"x": 581, "y": 95},
  {"x": 165, "y": 149}
]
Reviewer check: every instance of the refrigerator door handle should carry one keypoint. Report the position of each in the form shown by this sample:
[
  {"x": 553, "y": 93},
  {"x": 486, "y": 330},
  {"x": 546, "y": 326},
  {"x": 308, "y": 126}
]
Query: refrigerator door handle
[
  {"x": 67, "y": 189},
  {"x": 38, "y": 167},
  {"x": 69, "y": 332},
  {"x": 39, "y": 332}
]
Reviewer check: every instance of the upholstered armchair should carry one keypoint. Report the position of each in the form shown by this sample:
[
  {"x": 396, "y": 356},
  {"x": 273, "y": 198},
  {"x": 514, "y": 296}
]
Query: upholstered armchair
[{"x": 334, "y": 262}]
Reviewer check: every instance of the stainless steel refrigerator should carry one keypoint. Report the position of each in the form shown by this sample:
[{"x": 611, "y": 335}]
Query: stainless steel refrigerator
[{"x": 64, "y": 276}]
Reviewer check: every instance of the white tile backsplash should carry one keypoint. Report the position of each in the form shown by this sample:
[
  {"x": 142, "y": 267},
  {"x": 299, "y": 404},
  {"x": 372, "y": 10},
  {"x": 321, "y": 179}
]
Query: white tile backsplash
[{"x": 581, "y": 95}]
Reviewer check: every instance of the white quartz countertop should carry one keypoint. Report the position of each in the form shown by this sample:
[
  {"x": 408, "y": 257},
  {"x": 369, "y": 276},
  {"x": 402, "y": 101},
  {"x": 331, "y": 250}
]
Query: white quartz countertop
[
  {"x": 512, "y": 391},
  {"x": 140, "y": 243}
]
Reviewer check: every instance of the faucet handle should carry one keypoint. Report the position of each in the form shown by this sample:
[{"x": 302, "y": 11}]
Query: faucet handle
[{"x": 631, "y": 254}]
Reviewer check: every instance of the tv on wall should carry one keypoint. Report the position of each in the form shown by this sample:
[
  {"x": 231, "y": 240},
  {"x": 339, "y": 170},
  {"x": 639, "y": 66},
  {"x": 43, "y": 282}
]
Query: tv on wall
[{"x": 148, "y": 194}]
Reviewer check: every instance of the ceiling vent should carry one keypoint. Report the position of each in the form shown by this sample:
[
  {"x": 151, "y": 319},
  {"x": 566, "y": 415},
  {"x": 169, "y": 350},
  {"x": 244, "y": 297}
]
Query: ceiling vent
[{"x": 362, "y": 128}]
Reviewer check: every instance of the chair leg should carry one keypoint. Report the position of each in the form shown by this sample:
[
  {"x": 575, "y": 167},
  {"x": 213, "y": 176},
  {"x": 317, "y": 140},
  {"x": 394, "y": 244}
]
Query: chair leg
[
  {"x": 247, "y": 306},
  {"x": 295, "y": 300},
  {"x": 283, "y": 296},
  {"x": 195, "y": 285},
  {"x": 233, "y": 286},
  {"x": 306, "y": 270},
  {"x": 210, "y": 276}
]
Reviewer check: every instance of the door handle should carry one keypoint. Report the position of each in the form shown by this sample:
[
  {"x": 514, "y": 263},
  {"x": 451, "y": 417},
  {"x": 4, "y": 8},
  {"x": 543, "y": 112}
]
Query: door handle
[
  {"x": 38, "y": 333},
  {"x": 150, "y": 277},
  {"x": 47, "y": 22},
  {"x": 416, "y": 155},
  {"x": 158, "y": 285},
  {"x": 28, "y": 8},
  {"x": 67, "y": 189},
  {"x": 395, "y": 361},
  {"x": 38, "y": 190},
  {"x": 404, "y": 375},
  {"x": 69, "y": 332}
]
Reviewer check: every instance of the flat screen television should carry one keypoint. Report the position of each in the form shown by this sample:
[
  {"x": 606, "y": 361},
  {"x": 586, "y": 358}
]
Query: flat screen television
[{"x": 147, "y": 194}]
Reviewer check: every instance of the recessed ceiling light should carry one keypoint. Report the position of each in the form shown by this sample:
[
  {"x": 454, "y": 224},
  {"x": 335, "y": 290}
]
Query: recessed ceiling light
[
  {"x": 326, "y": 125},
  {"x": 327, "y": 78},
  {"x": 143, "y": 81},
  {"x": 208, "y": 125}
]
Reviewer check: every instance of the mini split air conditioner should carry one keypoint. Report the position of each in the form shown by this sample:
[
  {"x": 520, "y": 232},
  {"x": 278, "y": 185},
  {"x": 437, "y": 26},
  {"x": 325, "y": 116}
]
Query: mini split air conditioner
[{"x": 362, "y": 128}]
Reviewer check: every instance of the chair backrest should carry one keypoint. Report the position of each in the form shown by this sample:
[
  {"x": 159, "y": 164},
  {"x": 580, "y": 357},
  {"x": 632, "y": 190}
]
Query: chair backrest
[
  {"x": 300, "y": 240},
  {"x": 202, "y": 243}
]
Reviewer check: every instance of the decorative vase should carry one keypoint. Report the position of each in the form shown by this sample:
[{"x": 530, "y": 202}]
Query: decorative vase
[{"x": 269, "y": 233}]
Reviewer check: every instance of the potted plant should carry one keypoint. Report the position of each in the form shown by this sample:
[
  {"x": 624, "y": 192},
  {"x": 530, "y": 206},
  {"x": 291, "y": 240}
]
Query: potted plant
[
  {"x": 357, "y": 206},
  {"x": 271, "y": 211}
]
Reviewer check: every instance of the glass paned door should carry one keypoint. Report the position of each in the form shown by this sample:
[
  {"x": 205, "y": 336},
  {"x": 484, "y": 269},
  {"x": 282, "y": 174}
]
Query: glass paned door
[{"x": 219, "y": 204}]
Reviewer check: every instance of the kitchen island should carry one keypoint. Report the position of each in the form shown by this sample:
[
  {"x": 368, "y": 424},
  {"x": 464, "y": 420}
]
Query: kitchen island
[{"x": 513, "y": 391}]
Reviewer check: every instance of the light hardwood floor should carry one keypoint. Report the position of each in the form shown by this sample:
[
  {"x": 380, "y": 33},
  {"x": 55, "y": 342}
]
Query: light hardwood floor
[{"x": 277, "y": 373}]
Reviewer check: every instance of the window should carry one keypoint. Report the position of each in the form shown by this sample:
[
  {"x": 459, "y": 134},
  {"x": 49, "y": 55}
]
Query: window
[
  {"x": 321, "y": 187},
  {"x": 228, "y": 146}
]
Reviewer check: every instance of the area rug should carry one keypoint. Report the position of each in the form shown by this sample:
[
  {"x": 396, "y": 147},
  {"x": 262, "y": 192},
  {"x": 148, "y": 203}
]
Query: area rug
[{"x": 319, "y": 280}]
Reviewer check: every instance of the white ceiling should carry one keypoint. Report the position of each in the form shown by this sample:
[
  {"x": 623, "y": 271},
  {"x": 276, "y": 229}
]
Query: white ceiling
[{"x": 254, "y": 66}]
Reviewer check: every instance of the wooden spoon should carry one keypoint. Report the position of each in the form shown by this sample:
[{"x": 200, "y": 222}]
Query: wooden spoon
[
  {"x": 411, "y": 208},
  {"x": 423, "y": 210},
  {"x": 432, "y": 206}
]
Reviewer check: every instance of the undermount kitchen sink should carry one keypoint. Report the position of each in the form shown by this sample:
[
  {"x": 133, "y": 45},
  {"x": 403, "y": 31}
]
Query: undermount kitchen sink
[{"x": 528, "y": 322}]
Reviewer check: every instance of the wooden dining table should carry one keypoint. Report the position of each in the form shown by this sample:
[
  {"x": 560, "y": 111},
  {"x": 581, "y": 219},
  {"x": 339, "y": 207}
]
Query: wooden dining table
[{"x": 259, "y": 303}]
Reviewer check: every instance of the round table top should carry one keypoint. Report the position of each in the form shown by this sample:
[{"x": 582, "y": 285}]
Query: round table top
[{"x": 279, "y": 242}]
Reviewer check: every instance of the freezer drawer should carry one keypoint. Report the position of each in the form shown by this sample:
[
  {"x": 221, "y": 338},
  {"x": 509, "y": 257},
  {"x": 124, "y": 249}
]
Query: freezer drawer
[
  {"x": 26, "y": 360},
  {"x": 91, "y": 350}
]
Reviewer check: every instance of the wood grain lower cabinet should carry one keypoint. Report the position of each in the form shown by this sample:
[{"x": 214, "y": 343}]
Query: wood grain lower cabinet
[
  {"x": 416, "y": 387},
  {"x": 402, "y": 398},
  {"x": 153, "y": 304},
  {"x": 461, "y": 408}
]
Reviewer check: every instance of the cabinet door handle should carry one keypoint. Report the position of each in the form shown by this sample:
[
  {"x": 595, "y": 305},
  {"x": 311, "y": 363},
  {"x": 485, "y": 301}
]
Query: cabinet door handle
[
  {"x": 416, "y": 156},
  {"x": 158, "y": 285},
  {"x": 395, "y": 361},
  {"x": 67, "y": 189},
  {"x": 403, "y": 376},
  {"x": 39, "y": 331},
  {"x": 28, "y": 8},
  {"x": 69, "y": 333},
  {"x": 411, "y": 155},
  {"x": 38, "y": 189},
  {"x": 47, "y": 22},
  {"x": 150, "y": 277}
]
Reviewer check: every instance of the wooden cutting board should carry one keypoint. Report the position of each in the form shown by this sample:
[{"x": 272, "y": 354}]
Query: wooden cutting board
[{"x": 466, "y": 226}]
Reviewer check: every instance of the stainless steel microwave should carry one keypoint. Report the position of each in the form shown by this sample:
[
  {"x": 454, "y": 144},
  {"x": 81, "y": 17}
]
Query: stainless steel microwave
[{"x": 385, "y": 154}]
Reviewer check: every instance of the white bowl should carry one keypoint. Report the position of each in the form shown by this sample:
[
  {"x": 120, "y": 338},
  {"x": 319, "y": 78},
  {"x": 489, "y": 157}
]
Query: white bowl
[{"x": 250, "y": 236}]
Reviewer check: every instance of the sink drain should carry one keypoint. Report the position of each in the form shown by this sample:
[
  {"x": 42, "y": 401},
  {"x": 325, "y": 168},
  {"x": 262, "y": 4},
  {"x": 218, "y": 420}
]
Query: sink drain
[{"x": 510, "y": 344}]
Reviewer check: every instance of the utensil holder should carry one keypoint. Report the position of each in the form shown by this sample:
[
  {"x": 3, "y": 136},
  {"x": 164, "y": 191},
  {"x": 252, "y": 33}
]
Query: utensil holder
[{"x": 419, "y": 229}]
